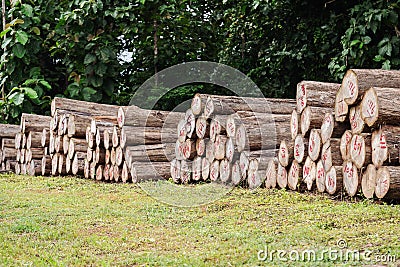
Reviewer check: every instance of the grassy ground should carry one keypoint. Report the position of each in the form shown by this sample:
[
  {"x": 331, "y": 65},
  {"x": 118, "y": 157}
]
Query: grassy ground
[{"x": 70, "y": 221}]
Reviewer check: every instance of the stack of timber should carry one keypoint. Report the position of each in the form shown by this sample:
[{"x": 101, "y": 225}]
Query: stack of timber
[
  {"x": 315, "y": 134},
  {"x": 230, "y": 140},
  {"x": 369, "y": 100},
  {"x": 31, "y": 144},
  {"x": 8, "y": 155},
  {"x": 147, "y": 141}
]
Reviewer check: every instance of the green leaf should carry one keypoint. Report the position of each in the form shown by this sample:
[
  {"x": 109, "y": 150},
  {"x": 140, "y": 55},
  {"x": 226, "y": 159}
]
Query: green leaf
[
  {"x": 15, "y": 111},
  {"x": 73, "y": 90},
  {"x": 386, "y": 65},
  {"x": 4, "y": 32},
  {"x": 89, "y": 58},
  {"x": 27, "y": 10},
  {"x": 30, "y": 82},
  {"x": 87, "y": 93},
  {"x": 6, "y": 42},
  {"x": 97, "y": 81},
  {"x": 19, "y": 50},
  {"x": 17, "y": 98},
  {"x": 15, "y": 22},
  {"x": 354, "y": 42},
  {"x": 22, "y": 37},
  {"x": 30, "y": 93},
  {"x": 36, "y": 30},
  {"x": 366, "y": 39},
  {"x": 45, "y": 84}
]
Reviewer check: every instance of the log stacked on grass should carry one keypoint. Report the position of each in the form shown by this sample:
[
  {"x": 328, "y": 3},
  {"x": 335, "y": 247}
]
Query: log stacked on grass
[
  {"x": 8, "y": 153},
  {"x": 31, "y": 144},
  {"x": 231, "y": 139}
]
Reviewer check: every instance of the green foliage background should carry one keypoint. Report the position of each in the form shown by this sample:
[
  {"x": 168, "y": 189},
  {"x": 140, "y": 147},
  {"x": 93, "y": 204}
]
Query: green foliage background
[{"x": 75, "y": 48}]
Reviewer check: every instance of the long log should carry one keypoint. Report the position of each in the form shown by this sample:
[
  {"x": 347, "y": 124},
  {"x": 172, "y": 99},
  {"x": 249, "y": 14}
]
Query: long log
[
  {"x": 83, "y": 107},
  {"x": 78, "y": 163},
  {"x": 309, "y": 173},
  {"x": 360, "y": 150},
  {"x": 388, "y": 182},
  {"x": 334, "y": 180},
  {"x": 368, "y": 181},
  {"x": 35, "y": 123},
  {"x": 216, "y": 104},
  {"x": 357, "y": 81},
  {"x": 147, "y": 153},
  {"x": 77, "y": 125},
  {"x": 294, "y": 175},
  {"x": 385, "y": 146},
  {"x": 260, "y": 131},
  {"x": 282, "y": 176},
  {"x": 142, "y": 172},
  {"x": 271, "y": 174},
  {"x": 317, "y": 94},
  {"x": 135, "y": 116},
  {"x": 9, "y": 130},
  {"x": 381, "y": 105},
  {"x": 320, "y": 177},
  {"x": 351, "y": 181},
  {"x": 146, "y": 136},
  {"x": 7, "y": 142},
  {"x": 312, "y": 118}
]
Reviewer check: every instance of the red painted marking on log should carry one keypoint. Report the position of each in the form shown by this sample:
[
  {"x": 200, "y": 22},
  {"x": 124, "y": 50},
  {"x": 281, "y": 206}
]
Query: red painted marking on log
[
  {"x": 320, "y": 174},
  {"x": 283, "y": 152},
  {"x": 331, "y": 182},
  {"x": 297, "y": 150},
  {"x": 371, "y": 107},
  {"x": 382, "y": 141},
  {"x": 307, "y": 170},
  {"x": 303, "y": 89},
  {"x": 352, "y": 87}
]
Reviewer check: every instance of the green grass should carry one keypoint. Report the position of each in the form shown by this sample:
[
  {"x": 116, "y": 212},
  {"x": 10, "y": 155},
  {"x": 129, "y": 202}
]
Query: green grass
[{"x": 71, "y": 221}]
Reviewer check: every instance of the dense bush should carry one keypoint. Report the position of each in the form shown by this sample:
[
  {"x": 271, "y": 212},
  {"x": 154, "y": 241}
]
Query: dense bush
[{"x": 102, "y": 50}]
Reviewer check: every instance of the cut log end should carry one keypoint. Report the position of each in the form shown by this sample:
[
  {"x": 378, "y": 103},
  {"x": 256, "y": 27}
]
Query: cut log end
[{"x": 368, "y": 181}]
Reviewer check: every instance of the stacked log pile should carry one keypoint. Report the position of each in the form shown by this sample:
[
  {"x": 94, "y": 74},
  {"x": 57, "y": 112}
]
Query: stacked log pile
[
  {"x": 31, "y": 144},
  {"x": 316, "y": 135},
  {"x": 8, "y": 155},
  {"x": 333, "y": 138},
  {"x": 147, "y": 141},
  {"x": 230, "y": 140},
  {"x": 370, "y": 100}
]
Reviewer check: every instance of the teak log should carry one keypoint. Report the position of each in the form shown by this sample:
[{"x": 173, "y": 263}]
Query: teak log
[
  {"x": 351, "y": 181},
  {"x": 83, "y": 107},
  {"x": 9, "y": 130},
  {"x": 143, "y": 172},
  {"x": 388, "y": 182},
  {"x": 381, "y": 105},
  {"x": 385, "y": 146},
  {"x": 216, "y": 104},
  {"x": 317, "y": 94},
  {"x": 357, "y": 81},
  {"x": 368, "y": 181},
  {"x": 146, "y": 136},
  {"x": 34, "y": 123},
  {"x": 334, "y": 180},
  {"x": 135, "y": 116}
]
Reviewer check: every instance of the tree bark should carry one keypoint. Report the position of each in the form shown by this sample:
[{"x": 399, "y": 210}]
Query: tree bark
[
  {"x": 9, "y": 130},
  {"x": 34, "y": 123}
]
